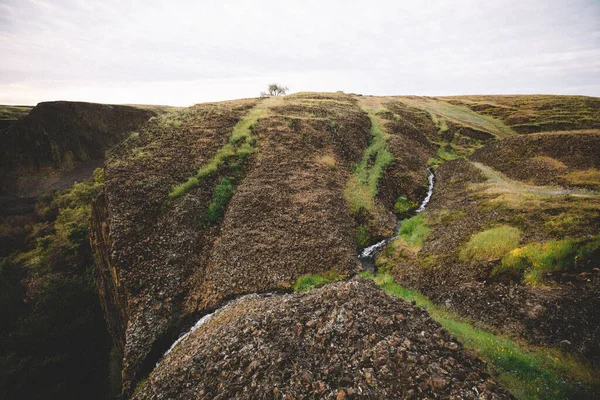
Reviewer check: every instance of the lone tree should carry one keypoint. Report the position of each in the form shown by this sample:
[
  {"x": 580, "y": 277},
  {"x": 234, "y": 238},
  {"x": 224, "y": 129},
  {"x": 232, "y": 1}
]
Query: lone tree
[{"x": 275, "y": 90}]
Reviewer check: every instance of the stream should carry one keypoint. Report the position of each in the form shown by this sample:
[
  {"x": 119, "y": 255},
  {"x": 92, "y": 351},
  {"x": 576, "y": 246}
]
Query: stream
[{"x": 367, "y": 255}]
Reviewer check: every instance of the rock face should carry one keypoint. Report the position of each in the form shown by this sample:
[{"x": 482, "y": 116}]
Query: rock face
[
  {"x": 60, "y": 132},
  {"x": 346, "y": 340},
  {"x": 144, "y": 253}
]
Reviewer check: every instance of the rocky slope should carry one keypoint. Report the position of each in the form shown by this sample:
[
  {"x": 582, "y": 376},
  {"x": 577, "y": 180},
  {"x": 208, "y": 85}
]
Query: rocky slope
[
  {"x": 224, "y": 199},
  {"x": 347, "y": 340}
]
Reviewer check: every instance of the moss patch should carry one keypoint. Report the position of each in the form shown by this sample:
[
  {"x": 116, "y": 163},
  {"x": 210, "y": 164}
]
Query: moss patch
[{"x": 308, "y": 282}]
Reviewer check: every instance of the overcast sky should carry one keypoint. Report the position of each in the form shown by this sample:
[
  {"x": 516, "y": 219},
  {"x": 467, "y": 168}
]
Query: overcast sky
[{"x": 181, "y": 53}]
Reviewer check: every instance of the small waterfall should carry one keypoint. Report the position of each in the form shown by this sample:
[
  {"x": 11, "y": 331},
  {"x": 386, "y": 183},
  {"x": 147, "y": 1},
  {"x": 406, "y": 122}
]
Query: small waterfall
[
  {"x": 197, "y": 325},
  {"x": 367, "y": 255},
  {"x": 201, "y": 322}
]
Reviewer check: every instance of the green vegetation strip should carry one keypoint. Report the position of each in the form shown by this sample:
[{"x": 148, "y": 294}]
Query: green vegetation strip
[
  {"x": 362, "y": 186},
  {"x": 527, "y": 372},
  {"x": 308, "y": 282},
  {"x": 241, "y": 144}
]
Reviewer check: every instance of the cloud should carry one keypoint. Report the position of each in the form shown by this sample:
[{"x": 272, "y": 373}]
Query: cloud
[{"x": 114, "y": 49}]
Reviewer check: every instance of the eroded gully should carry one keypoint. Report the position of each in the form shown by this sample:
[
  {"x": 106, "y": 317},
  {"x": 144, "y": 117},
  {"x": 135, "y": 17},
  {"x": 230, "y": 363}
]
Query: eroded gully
[{"x": 367, "y": 255}]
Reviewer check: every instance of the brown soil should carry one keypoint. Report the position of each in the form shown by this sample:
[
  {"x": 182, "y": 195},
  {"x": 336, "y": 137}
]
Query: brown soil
[{"x": 346, "y": 340}]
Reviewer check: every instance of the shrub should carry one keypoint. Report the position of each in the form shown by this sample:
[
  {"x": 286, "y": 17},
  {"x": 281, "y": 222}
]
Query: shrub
[
  {"x": 308, "y": 282},
  {"x": 491, "y": 244},
  {"x": 443, "y": 155},
  {"x": 362, "y": 236},
  {"x": 403, "y": 205}
]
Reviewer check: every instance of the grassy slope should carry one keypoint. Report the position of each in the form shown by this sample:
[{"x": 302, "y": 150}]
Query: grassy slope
[
  {"x": 559, "y": 223},
  {"x": 459, "y": 114},
  {"x": 536, "y": 113},
  {"x": 13, "y": 112}
]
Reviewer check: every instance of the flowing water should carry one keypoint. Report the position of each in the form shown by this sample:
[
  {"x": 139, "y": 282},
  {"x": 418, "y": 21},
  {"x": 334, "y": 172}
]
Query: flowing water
[
  {"x": 367, "y": 255},
  {"x": 201, "y": 322}
]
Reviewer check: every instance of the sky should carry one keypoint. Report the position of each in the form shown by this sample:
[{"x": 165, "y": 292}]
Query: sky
[{"x": 186, "y": 52}]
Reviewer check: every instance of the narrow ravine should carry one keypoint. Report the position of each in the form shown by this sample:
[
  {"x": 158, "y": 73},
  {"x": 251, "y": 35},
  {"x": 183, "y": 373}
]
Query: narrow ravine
[{"x": 367, "y": 254}]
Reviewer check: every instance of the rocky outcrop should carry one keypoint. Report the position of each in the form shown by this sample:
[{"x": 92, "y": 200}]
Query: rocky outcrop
[
  {"x": 289, "y": 217},
  {"x": 410, "y": 131},
  {"x": 346, "y": 340}
]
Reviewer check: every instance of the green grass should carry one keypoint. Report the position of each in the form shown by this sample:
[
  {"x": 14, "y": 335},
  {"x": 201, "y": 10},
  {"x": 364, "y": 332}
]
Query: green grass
[
  {"x": 241, "y": 144},
  {"x": 14, "y": 112},
  {"x": 309, "y": 282},
  {"x": 362, "y": 236},
  {"x": 527, "y": 372},
  {"x": 491, "y": 244},
  {"x": 414, "y": 230},
  {"x": 222, "y": 193},
  {"x": 362, "y": 187},
  {"x": 533, "y": 260}
]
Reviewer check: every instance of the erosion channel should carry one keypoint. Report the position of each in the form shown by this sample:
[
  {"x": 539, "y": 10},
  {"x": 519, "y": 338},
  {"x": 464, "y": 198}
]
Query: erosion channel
[{"x": 367, "y": 255}]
